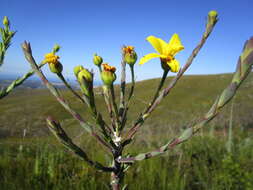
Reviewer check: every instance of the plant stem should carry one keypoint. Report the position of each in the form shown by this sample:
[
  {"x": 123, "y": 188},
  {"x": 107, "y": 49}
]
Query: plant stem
[
  {"x": 115, "y": 181},
  {"x": 114, "y": 101},
  {"x": 70, "y": 88},
  {"x": 124, "y": 118},
  {"x": 133, "y": 84},
  {"x": 165, "y": 73},
  {"x": 5, "y": 91},
  {"x": 125, "y": 109},
  {"x": 118, "y": 174},
  {"x": 109, "y": 105},
  {"x": 115, "y": 109},
  {"x": 122, "y": 89}
]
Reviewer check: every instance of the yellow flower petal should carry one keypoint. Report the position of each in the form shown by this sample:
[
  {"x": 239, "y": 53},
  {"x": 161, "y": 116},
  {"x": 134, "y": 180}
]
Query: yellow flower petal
[
  {"x": 51, "y": 58},
  {"x": 158, "y": 44},
  {"x": 174, "y": 65},
  {"x": 147, "y": 57},
  {"x": 174, "y": 45}
]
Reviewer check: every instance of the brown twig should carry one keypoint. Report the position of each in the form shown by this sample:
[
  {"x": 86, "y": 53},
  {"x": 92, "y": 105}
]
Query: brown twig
[{"x": 57, "y": 130}]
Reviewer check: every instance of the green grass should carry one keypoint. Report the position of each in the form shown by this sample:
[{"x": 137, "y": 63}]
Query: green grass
[{"x": 202, "y": 163}]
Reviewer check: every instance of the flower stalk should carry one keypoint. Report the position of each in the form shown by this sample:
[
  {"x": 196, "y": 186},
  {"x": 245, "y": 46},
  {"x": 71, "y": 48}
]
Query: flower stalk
[
  {"x": 122, "y": 88},
  {"x": 70, "y": 88},
  {"x": 125, "y": 110}
]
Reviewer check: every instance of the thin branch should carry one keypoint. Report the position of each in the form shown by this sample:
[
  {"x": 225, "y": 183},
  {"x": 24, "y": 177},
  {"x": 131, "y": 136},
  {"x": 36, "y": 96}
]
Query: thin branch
[
  {"x": 109, "y": 106},
  {"x": 133, "y": 84},
  {"x": 124, "y": 117},
  {"x": 114, "y": 106},
  {"x": 165, "y": 73},
  {"x": 70, "y": 88},
  {"x": 5, "y": 91},
  {"x": 122, "y": 88},
  {"x": 57, "y": 130}
]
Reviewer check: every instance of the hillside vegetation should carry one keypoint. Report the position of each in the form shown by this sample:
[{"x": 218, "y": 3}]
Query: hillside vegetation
[{"x": 192, "y": 97}]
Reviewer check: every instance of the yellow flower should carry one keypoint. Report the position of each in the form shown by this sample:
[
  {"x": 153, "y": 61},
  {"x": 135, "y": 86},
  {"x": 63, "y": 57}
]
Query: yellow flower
[
  {"x": 167, "y": 51},
  {"x": 51, "y": 58}
]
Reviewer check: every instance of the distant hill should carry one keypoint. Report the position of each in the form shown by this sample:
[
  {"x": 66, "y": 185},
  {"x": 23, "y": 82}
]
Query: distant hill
[
  {"x": 34, "y": 83},
  {"x": 27, "y": 108}
]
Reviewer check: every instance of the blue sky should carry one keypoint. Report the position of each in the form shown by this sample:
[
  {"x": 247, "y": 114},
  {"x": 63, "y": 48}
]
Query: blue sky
[{"x": 85, "y": 27}]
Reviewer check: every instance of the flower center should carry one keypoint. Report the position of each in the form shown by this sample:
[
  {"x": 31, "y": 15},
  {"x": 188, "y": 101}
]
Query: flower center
[
  {"x": 51, "y": 58},
  {"x": 128, "y": 49},
  {"x": 169, "y": 58},
  {"x": 109, "y": 68}
]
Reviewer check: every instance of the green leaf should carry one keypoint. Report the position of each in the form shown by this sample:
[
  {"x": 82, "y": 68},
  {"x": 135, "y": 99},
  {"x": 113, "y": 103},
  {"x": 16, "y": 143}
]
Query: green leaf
[{"x": 186, "y": 135}]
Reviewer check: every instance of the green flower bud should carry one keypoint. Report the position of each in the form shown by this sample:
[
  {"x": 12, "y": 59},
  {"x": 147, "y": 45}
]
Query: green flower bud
[
  {"x": 56, "y": 48},
  {"x": 212, "y": 16},
  {"x": 130, "y": 56},
  {"x": 85, "y": 79},
  {"x": 97, "y": 60},
  {"x": 77, "y": 69},
  {"x": 55, "y": 67},
  {"x": 213, "y": 13},
  {"x": 84, "y": 74},
  {"x": 108, "y": 74},
  {"x": 108, "y": 77},
  {"x": 6, "y": 21}
]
